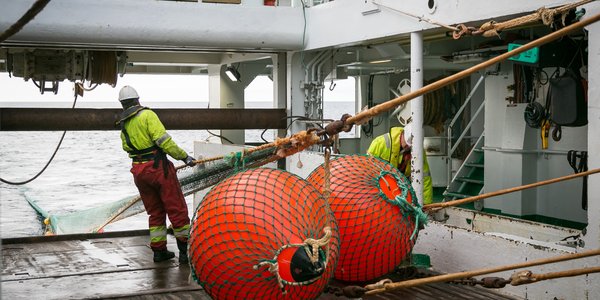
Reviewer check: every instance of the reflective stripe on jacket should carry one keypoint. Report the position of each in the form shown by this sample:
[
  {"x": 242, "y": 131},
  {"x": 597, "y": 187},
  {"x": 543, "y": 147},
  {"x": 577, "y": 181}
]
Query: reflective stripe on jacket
[
  {"x": 146, "y": 130},
  {"x": 387, "y": 147}
]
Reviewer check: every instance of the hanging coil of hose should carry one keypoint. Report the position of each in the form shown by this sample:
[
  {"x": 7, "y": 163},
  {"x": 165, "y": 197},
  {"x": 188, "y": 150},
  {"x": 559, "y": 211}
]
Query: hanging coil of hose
[
  {"x": 102, "y": 67},
  {"x": 534, "y": 114}
]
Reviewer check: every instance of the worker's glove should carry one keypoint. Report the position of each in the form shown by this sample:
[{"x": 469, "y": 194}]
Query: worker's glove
[{"x": 189, "y": 161}]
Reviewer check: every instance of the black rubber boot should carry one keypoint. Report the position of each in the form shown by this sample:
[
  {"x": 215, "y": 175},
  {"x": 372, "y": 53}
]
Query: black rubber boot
[
  {"x": 183, "y": 257},
  {"x": 162, "y": 255}
]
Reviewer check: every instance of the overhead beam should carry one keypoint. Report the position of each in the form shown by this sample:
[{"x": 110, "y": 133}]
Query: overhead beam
[
  {"x": 157, "y": 25},
  {"x": 56, "y": 119}
]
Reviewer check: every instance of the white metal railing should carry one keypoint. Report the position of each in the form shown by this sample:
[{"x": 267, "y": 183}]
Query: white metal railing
[{"x": 451, "y": 148}]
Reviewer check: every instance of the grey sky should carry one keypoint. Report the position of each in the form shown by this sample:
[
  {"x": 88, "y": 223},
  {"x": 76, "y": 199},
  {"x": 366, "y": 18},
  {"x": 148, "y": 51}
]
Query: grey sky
[{"x": 153, "y": 88}]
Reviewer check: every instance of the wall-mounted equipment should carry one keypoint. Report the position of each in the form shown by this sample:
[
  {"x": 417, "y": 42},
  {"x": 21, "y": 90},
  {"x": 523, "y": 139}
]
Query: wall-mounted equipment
[{"x": 47, "y": 68}]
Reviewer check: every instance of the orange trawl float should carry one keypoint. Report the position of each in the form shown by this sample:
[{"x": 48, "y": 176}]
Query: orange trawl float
[
  {"x": 377, "y": 213},
  {"x": 263, "y": 234}
]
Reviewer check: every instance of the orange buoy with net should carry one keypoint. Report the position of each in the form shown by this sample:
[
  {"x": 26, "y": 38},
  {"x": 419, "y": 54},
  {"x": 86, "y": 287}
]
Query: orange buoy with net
[
  {"x": 263, "y": 234},
  {"x": 377, "y": 214}
]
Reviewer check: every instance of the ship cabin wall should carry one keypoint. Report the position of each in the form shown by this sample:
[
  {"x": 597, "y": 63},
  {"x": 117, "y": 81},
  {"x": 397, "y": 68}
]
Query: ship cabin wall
[{"x": 514, "y": 156}]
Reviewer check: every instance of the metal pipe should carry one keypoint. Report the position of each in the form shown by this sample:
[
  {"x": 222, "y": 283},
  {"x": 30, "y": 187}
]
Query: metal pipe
[
  {"x": 310, "y": 64},
  {"x": 321, "y": 63},
  {"x": 521, "y": 151},
  {"x": 49, "y": 119},
  {"x": 449, "y": 159},
  {"x": 416, "y": 79},
  {"x": 308, "y": 86},
  {"x": 320, "y": 86}
]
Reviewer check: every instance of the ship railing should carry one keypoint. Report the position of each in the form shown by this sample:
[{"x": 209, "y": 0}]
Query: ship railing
[{"x": 453, "y": 146}]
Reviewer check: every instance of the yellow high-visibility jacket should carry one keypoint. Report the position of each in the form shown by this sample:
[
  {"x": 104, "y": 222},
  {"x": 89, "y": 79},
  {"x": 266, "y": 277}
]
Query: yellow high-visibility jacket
[
  {"x": 387, "y": 147},
  {"x": 145, "y": 131}
]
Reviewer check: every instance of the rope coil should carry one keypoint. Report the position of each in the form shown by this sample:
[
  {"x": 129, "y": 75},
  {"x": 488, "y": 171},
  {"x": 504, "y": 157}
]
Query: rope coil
[{"x": 493, "y": 28}]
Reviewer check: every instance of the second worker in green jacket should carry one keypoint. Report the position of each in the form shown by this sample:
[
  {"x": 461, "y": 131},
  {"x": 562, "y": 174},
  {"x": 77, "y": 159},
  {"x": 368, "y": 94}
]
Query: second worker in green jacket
[{"x": 395, "y": 147}]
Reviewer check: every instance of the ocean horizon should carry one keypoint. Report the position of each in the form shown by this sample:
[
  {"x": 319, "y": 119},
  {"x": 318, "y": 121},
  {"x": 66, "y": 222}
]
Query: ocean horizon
[{"x": 82, "y": 103}]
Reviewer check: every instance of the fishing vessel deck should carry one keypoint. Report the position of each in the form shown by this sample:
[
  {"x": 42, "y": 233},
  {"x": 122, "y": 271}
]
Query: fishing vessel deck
[{"x": 118, "y": 265}]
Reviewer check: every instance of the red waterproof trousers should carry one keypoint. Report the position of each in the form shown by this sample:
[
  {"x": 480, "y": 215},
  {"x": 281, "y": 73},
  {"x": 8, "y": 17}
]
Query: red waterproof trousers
[{"x": 162, "y": 196}]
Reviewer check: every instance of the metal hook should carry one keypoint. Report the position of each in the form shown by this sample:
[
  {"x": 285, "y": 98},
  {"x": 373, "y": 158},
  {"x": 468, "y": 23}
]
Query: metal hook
[{"x": 332, "y": 85}]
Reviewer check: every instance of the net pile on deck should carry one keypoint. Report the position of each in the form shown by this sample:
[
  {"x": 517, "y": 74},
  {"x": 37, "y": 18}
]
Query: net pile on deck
[{"x": 191, "y": 180}]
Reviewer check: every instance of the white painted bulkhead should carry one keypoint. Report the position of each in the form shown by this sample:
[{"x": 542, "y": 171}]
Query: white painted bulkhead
[{"x": 472, "y": 240}]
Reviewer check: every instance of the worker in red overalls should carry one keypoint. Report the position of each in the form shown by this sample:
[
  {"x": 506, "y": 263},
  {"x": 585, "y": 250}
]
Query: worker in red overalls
[{"x": 145, "y": 139}]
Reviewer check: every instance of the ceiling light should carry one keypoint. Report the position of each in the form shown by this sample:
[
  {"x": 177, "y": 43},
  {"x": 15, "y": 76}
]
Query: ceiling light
[{"x": 232, "y": 73}]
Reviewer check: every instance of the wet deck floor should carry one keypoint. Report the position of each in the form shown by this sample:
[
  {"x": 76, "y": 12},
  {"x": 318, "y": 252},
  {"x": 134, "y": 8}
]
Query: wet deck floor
[{"x": 119, "y": 265}]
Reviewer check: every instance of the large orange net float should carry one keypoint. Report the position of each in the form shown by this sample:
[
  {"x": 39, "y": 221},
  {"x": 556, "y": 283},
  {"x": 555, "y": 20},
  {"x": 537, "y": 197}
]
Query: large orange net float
[
  {"x": 263, "y": 234},
  {"x": 377, "y": 214}
]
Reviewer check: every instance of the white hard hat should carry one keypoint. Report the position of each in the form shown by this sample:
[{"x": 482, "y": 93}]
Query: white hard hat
[
  {"x": 408, "y": 134},
  {"x": 127, "y": 92}
]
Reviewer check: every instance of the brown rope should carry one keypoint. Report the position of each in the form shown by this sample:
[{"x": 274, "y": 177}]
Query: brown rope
[
  {"x": 468, "y": 274},
  {"x": 437, "y": 206},
  {"x": 312, "y": 245},
  {"x": 366, "y": 115},
  {"x": 546, "y": 15},
  {"x": 35, "y": 9},
  {"x": 430, "y": 21},
  {"x": 526, "y": 276}
]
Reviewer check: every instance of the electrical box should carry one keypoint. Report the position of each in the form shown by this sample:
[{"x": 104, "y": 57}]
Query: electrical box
[
  {"x": 531, "y": 56},
  {"x": 566, "y": 52}
]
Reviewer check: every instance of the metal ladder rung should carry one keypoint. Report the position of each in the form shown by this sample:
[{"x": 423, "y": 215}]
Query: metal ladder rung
[
  {"x": 474, "y": 165},
  {"x": 457, "y": 195},
  {"x": 469, "y": 180}
]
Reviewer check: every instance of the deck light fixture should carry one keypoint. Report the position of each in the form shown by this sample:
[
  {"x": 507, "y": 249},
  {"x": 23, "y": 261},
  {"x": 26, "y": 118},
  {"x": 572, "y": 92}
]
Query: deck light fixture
[{"x": 232, "y": 73}]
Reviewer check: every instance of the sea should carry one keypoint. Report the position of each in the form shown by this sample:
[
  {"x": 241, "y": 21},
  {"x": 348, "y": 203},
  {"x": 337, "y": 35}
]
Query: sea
[{"x": 89, "y": 169}]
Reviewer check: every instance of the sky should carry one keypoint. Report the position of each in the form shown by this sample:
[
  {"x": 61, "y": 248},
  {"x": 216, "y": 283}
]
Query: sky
[{"x": 153, "y": 88}]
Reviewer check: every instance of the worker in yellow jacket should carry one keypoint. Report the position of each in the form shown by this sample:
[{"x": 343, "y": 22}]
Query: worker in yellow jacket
[
  {"x": 395, "y": 147},
  {"x": 144, "y": 137}
]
